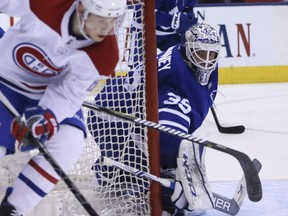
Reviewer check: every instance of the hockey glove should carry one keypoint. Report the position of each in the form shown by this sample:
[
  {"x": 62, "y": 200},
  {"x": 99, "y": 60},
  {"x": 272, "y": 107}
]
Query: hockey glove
[
  {"x": 183, "y": 21},
  {"x": 40, "y": 123},
  {"x": 179, "y": 200},
  {"x": 178, "y": 197}
]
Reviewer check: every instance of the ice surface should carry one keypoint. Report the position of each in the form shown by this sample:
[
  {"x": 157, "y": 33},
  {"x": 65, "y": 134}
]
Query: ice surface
[
  {"x": 263, "y": 110},
  {"x": 273, "y": 203}
]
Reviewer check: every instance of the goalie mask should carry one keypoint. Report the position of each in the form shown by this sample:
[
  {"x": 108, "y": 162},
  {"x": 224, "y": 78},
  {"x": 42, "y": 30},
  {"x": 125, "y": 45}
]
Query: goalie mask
[
  {"x": 201, "y": 45},
  {"x": 108, "y": 16}
]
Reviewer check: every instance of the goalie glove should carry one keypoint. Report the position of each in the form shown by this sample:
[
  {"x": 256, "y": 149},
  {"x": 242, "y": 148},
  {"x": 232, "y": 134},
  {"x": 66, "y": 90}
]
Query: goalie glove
[
  {"x": 179, "y": 200},
  {"x": 178, "y": 197},
  {"x": 40, "y": 123},
  {"x": 192, "y": 174}
]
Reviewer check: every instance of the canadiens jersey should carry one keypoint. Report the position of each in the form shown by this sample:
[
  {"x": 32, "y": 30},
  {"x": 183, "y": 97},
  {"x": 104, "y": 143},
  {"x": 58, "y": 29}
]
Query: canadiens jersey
[{"x": 40, "y": 59}]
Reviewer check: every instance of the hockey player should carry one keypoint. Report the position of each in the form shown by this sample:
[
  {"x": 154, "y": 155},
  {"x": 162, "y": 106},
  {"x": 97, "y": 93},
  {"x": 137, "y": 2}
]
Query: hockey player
[
  {"x": 50, "y": 60},
  {"x": 173, "y": 18},
  {"x": 187, "y": 84}
]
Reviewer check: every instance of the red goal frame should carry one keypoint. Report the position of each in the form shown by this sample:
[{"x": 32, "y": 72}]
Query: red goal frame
[{"x": 152, "y": 102}]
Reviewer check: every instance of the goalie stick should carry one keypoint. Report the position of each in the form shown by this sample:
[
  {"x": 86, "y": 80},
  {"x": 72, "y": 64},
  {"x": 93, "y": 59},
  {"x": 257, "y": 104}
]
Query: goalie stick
[
  {"x": 73, "y": 188},
  {"x": 228, "y": 130},
  {"x": 253, "y": 183},
  {"x": 221, "y": 203}
]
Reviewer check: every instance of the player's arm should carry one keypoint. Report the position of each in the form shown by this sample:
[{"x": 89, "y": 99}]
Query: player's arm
[
  {"x": 65, "y": 98},
  {"x": 14, "y": 7},
  {"x": 179, "y": 21},
  {"x": 61, "y": 100},
  {"x": 66, "y": 95}
]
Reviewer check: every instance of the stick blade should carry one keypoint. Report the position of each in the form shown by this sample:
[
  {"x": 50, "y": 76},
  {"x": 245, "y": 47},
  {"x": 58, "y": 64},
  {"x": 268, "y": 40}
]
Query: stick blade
[
  {"x": 254, "y": 187},
  {"x": 232, "y": 130}
]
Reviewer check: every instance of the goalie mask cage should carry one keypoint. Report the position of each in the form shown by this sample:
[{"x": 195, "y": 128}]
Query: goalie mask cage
[{"x": 109, "y": 190}]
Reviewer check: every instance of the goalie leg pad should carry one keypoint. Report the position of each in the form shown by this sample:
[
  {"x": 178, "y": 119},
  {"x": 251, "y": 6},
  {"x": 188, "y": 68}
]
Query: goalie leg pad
[{"x": 192, "y": 172}]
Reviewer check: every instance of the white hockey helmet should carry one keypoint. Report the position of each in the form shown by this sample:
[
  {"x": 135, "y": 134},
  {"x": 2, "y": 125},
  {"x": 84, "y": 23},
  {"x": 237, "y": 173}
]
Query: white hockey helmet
[
  {"x": 104, "y": 8},
  {"x": 202, "y": 45}
]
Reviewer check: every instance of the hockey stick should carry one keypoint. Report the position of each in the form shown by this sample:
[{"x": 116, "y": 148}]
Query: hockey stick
[
  {"x": 228, "y": 130},
  {"x": 221, "y": 203},
  {"x": 73, "y": 188},
  {"x": 233, "y": 205},
  {"x": 253, "y": 182}
]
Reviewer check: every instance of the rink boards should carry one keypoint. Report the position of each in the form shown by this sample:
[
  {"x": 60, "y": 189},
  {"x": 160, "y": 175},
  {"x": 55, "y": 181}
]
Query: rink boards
[{"x": 254, "y": 41}]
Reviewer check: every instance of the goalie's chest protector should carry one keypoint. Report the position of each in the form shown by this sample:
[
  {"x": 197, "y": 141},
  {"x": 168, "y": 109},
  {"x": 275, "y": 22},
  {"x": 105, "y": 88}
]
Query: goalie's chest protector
[
  {"x": 104, "y": 55},
  {"x": 199, "y": 96},
  {"x": 179, "y": 79}
]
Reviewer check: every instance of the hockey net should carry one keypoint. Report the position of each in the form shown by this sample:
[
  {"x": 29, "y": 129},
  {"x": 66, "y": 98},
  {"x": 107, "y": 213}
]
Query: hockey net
[{"x": 122, "y": 193}]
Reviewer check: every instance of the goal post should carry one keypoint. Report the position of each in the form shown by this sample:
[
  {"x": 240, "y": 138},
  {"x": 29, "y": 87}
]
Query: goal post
[
  {"x": 109, "y": 190},
  {"x": 152, "y": 103}
]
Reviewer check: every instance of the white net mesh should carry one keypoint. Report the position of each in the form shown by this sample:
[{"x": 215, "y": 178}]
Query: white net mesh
[{"x": 120, "y": 193}]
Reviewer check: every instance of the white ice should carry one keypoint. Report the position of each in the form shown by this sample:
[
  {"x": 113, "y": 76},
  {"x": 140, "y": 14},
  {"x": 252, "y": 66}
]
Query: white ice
[{"x": 263, "y": 110}]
